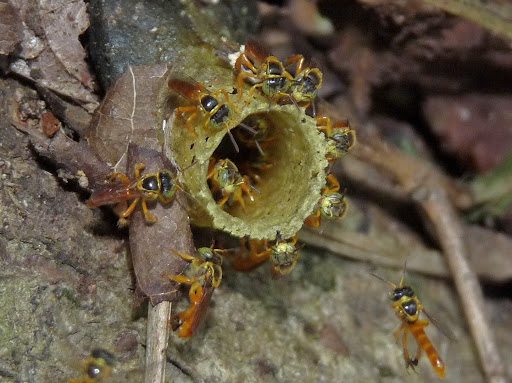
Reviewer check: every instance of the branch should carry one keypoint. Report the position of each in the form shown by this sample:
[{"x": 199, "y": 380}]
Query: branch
[{"x": 442, "y": 216}]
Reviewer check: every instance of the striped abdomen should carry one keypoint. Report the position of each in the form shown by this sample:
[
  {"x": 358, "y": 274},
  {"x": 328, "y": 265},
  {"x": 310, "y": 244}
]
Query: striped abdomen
[{"x": 417, "y": 330}]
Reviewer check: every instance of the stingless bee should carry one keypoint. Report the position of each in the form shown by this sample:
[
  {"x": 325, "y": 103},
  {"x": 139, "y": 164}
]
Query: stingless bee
[
  {"x": 340, "y": 138},
  {"x": 408, "y": 307},
  {"x": 207, "y": 275},
  {"x": 227, "y": 180},
  {"x": 283, "y": 253},
  {"x": 161, "y": 185},
  {"x": 96, "y": 367},
  {"x": 332, "y": 205},
  {"x": 217, "y": 114}
]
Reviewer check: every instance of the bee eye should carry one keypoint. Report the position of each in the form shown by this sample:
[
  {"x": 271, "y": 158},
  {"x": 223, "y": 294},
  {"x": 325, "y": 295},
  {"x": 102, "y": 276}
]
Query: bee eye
[
  {"x": 150, "y": 183},
  {"x": 208, "y": 103},
  {"x": 410, "y": 308},
  {"x": 93, "y": 371},
  {"x": 313, "y": 78},
  {"x": 274, "y": 69},
  {"x": 397, "y": 294}
]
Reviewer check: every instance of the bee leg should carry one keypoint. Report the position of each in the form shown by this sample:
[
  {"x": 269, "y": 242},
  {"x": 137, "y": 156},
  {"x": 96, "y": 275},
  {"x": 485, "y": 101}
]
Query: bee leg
[
  {"x": 224, "y": 199},
  {"x": 183, "y": 279},
  {"x": 125, "y": 180},
  {"x": 314, "y": 220},
  {"x": 334, "y": 184},
  {"x": 299, "y": 59},
  {"x": 323, "y": 124},
  {"x": 237, "y": 196},
  {"x": 241, "y": 78},
  {"x": 186, "y": 257},
  {"x": 147, "y": 215},
  {"x": 130, "y": 209},
  {"x": 252, "y": 260},
  {"x": 186, "y": 109},
  {"x": 251, "y": 92}
]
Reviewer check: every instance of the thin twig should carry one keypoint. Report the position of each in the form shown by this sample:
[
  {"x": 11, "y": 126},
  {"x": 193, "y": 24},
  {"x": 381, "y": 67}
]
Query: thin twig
[
  {"x": 157, "y": 336},
  {"x": 442, "y": 216},
  {"x": 409, "y": 172},
  {"x": 493, "y": 15}
]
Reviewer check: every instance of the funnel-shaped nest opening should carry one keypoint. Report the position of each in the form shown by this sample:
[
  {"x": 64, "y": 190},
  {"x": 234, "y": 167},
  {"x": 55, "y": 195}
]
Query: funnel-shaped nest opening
[{"x": 281, "y": 157}]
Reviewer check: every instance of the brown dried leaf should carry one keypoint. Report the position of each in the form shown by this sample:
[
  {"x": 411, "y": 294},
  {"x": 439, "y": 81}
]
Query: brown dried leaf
[
  {"x": 11, "y": 29},
  {"x": 51, "y": 54},
  {"x": 73, "y": 159},
  {"x": 128, "y": 114},
  {"x": 50, "y": 124},
  {"x": 151, "y": 244},
  {"x": 63, "y": 21}
]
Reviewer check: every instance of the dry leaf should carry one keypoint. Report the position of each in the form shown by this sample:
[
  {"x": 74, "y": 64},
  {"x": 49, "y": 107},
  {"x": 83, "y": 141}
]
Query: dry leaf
[
  {"x": 128, "y": 114},
  {"x": 11, "y": 29},
  {"x": 51, "y": 53},
  {"x": 151, "y": 244},
  {"x": 63, "y": 21},
  {"x": 50, "y": 124}
]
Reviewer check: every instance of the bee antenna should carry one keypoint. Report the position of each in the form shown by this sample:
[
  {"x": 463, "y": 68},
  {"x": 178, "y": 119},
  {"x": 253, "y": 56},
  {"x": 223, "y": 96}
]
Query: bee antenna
[
  {"x": 248, "y": 128},
  {"x": 233, "y": 141},
  {"x": 294, "y": 102},
  {"x": 254, "y": 188},
  {"x": 187, "y": 167},
  {"x": 403, "y": 273},
  {"x": 259, "y": 147},
  {"x": 384, "y": 280},
  {"x": 321, "y": 232}
]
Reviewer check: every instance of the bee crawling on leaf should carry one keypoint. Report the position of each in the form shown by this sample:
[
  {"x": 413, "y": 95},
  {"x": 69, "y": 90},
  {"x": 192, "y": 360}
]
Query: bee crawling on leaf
[
  {"x": 217, "y": 115},
  {"x": 161, "y": 185}
]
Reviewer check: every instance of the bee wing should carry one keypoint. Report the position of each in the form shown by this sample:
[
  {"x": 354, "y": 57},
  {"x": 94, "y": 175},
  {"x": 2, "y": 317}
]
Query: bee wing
[
  {"x": 443, "y": 328},
  {"x": 256, "y": 52},
  {"x": 113, "y": 195},
  {"x": 185, "y": 86}
]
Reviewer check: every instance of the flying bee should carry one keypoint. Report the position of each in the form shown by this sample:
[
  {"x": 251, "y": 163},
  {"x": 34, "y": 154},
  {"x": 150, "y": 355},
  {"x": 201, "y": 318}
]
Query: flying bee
[
  {"x": 217, "y": 115},
  {"x": 340, "y": 138},
  {"x": 283, "y": 253},
  {"x": 227, "y": 180},
  {"x": 407, "y": 307},
  {"x": 96, "y": 367},
  {"x": 332, "y": 205},
  {"x": 207, "y": 275},
  {"x": 306, "y": 82},
  {"x": 161, "y": 185},
  {"x": 258, "y": 67}
]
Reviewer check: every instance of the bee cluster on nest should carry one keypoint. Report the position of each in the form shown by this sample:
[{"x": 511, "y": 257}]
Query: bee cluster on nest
[{"x": 254, "y": 160}]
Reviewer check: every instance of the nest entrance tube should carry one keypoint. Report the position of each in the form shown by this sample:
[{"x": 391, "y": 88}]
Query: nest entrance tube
[{"x": 288, "y": 172}]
